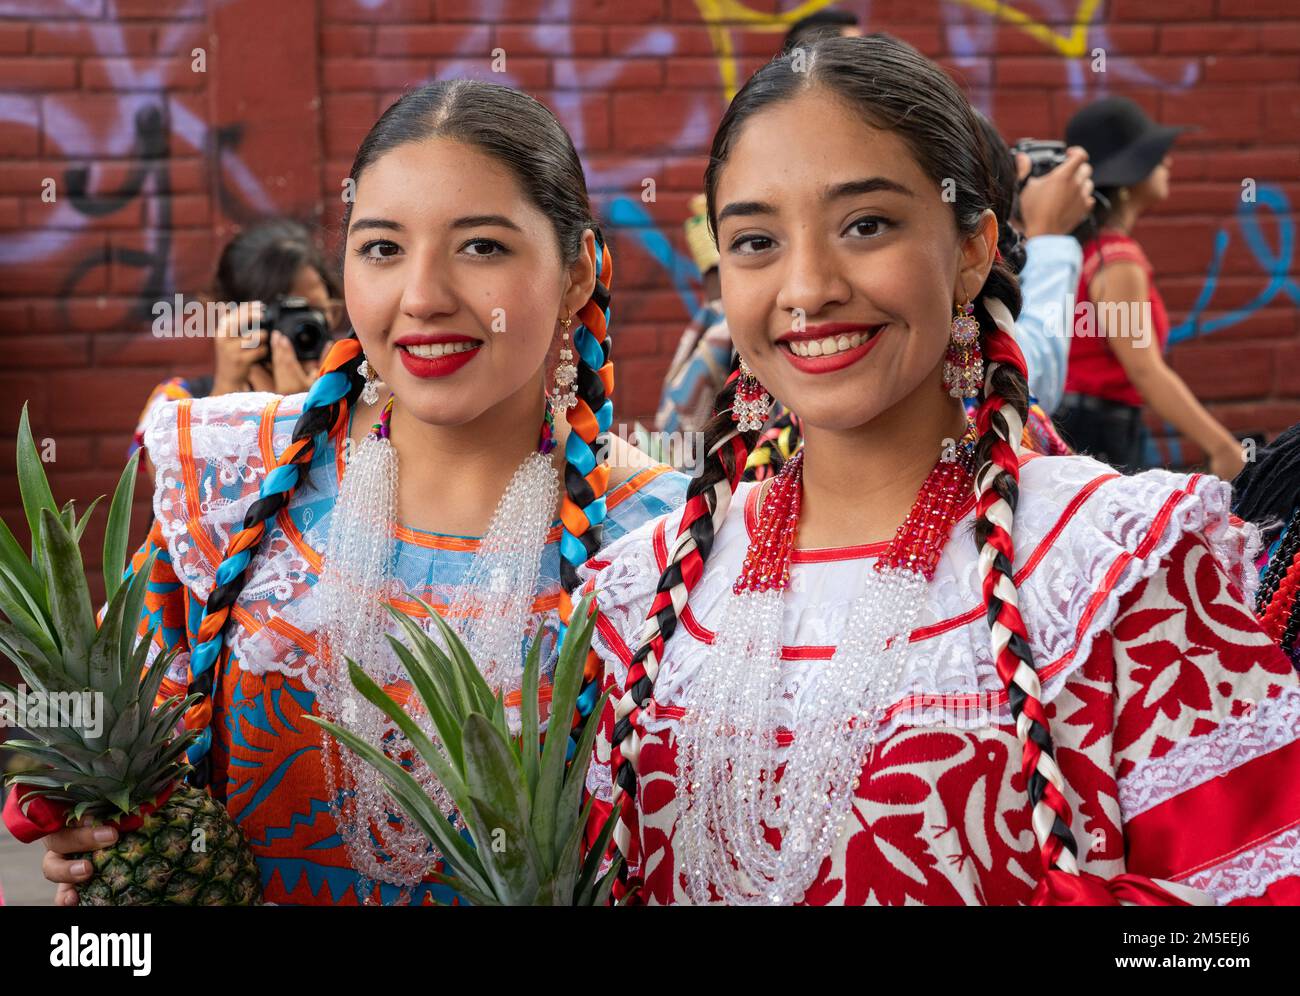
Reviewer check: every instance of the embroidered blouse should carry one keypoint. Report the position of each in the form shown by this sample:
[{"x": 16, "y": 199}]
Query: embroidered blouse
[
  {"x": 210, "y": 456},
  {"x": 1175, "y": 719}
]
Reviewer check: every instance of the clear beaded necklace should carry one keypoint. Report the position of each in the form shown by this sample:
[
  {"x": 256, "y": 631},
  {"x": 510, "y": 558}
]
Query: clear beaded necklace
[
  {"x": 756, "y": 754},
  {"x": 489, "y": 609}
]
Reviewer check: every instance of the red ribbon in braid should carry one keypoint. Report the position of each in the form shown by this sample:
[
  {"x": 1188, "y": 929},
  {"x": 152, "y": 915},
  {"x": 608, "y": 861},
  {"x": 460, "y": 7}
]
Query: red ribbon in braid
[{"x": 1058, "y": 886}]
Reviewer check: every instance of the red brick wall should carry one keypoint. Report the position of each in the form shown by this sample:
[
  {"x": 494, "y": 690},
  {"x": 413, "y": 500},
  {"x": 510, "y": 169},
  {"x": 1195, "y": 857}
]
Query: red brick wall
[{"x": 291, "y": 88}]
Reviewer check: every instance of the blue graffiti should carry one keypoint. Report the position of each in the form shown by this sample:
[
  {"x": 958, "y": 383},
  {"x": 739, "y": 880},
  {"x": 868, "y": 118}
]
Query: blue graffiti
[
  {"x": 1278, "y": 267},
  {"x": 624, "y": 212}
]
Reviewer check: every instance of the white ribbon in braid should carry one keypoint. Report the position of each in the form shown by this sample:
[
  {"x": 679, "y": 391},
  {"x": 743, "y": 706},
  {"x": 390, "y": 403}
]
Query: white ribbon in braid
[
  {"x": 719, "y": 498},
  {"x": 1009, "y": 426}
]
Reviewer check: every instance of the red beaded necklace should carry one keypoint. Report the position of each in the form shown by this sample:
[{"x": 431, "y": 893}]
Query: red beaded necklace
[{"x": 917, "y": 545}]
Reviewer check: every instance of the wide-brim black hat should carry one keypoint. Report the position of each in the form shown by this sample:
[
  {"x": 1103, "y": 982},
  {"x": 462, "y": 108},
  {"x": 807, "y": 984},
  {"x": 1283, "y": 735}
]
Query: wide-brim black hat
[{"x": 1123, "y": 144}]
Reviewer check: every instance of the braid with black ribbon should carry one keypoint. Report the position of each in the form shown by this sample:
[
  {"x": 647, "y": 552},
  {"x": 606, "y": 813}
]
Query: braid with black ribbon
[{"x": 325, "y": 412}]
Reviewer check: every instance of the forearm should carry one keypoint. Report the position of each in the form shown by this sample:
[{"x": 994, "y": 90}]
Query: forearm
[{"x": 1171, "y": 399}]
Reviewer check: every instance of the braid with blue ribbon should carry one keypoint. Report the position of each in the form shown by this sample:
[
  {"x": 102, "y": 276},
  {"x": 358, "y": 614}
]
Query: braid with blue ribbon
[
  {"x": 586, "y": 475},
  {"x": 325, "y": 410}
]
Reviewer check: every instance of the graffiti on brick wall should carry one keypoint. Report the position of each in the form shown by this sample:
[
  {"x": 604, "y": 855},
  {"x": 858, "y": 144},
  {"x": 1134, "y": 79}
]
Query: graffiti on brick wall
[{"x": 150, "y": 132}]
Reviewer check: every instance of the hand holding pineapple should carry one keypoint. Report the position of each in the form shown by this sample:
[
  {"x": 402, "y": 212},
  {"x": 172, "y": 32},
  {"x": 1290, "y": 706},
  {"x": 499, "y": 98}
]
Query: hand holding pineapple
[
  {"x": 174, "y": 844},
  {"x": 64, "y": 862}
]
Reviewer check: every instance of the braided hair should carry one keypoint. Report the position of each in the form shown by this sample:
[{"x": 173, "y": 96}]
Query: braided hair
[
  {"x": 521, "y": 134},
  {"x": 898, "y": 89}
]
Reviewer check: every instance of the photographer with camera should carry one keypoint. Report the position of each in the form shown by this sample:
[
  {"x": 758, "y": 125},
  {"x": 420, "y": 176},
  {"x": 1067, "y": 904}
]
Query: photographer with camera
[
  {"x": 1117, "y": 344},
  {"x": 1055, "y": 195},
  {"x": 288, "y": 303}
]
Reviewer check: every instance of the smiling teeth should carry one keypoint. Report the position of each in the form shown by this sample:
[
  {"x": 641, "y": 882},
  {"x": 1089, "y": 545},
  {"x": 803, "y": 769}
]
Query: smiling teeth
[
  {"x": 432, "y": 350},
  {"x": 829, "y": 346}
]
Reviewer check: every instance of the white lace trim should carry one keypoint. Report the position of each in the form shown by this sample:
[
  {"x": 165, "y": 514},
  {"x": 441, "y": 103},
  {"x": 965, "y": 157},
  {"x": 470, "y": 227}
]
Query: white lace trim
[
  {"x": 225, "y": 450},
  {"x": 1251, "y": 872},
  {"x": 1235, "y": 741},
  {"x": 950, "y": 678}
]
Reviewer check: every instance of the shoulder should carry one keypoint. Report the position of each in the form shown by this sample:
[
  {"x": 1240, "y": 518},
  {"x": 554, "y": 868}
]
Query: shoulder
[
  {"x": 1118, "y": 257},
  {"x": 210, "y": 456},
  {"x": 640, "y": 489},
  {"x": 1087, "y": 538}
]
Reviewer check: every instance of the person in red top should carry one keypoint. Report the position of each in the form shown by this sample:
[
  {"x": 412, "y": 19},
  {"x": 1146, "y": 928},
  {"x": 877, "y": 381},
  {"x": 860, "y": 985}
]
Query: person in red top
[{"x": 1121, "y": 326}]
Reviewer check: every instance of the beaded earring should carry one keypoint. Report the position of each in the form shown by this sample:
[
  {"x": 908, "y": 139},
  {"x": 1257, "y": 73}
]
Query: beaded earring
[
  {"x": 750, "y": 409},
  {"x": 369, "y": 393},
  {"x": 566, "y": 373},
  {"x": 963, "y": 367}
]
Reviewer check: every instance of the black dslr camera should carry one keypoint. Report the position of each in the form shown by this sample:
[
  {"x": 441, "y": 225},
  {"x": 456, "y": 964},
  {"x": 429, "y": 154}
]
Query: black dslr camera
[
  {"x": 307, "y": 328},
  {"x": 1044, "y": 156}
]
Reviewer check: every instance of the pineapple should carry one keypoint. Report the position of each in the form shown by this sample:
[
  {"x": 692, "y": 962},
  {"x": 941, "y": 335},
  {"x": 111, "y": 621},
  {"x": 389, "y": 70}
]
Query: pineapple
[
  {"x": 186, "y": 852},
  {"x": 519, "y": 800}
]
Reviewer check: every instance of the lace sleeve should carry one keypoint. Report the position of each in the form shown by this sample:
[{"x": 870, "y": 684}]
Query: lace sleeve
[
  {"x": 624, "y": 576},
  {"x": 209, "y": 455}
]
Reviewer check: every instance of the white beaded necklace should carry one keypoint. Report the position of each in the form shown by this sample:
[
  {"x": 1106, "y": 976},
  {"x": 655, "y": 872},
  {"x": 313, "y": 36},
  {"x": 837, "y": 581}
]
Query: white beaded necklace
[
  {"x": 729, "y": 755},
  {"x": 489, "y": 609}
]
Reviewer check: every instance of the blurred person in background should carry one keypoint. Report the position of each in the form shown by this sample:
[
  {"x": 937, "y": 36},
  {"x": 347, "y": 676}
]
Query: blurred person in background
[
  {"x": 1115, "y": 371},
  {"x": 703, "y": 358},
  {"x": 271, "y": 261}
]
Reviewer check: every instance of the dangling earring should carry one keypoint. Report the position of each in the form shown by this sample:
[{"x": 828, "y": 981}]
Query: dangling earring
[
  {"x": 566, "y": 374},
  {"x": 752, "y": 404},
  {"x": 369, "y": 393},
  {"x": 963, "y": 366}
]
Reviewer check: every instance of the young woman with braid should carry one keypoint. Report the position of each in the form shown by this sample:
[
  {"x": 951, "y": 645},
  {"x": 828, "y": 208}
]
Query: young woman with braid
[
  {"x": 921, "y": 665},
  {"x": 283, "y": 524}
]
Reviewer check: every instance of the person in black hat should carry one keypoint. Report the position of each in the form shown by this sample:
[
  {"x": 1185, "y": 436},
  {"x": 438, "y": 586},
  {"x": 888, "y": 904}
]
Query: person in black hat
[{"x": 1120, "y": 323}]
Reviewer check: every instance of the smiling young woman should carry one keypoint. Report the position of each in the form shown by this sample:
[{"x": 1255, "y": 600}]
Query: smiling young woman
[
  {"x": 283, "y": 526},
  {"x": 919, "y": 666}
]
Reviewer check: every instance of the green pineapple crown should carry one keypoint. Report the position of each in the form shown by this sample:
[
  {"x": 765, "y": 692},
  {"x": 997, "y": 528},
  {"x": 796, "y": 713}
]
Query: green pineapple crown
[
  {"x": 519, "y": 799},
  {"x": 47, "y": 628}
]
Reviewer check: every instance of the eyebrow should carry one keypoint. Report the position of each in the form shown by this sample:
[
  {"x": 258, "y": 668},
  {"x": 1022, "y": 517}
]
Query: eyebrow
[
  {"x": 851, "y": 188},
  {"x": 468, "y": 221}
]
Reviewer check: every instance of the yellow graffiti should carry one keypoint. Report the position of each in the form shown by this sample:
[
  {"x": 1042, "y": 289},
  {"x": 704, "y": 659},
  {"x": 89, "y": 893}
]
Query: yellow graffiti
[{"x": 722, "y": 16}]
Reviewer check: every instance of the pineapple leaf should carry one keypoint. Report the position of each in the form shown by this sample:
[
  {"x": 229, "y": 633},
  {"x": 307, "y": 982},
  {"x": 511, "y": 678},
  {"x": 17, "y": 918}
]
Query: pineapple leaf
[
  {"x": 18, "y": 572},
  {"x": 68, "y": 514},
  {"x": 32, "y": 483},
  {"x": 148, "y": 684},
  {"x": 566, "y": 682},
  {"x": 103, "y": 665},
  {"x": 119, "y": 526},
  {"x": 80, "y": 526},
  {"x": 74, "y": 620},
  {"x": 601, "y": 896},
  {"x": 465, "y": 891},
  {"x": 131, "y": 611},
  {"x": 415, "y": 803},
  {"x": 126, "y": 728},
  {"x": 121, "y": 798},
  {"x": 568, "y": 810},
  {"x": 530, "y": 742},
  {"x": 450, "y": 779},
  {"x": 466, "y": 672},
  {"x": 513, "y": 868},
  {"x": 35, "y": 668},
  {"x": 36, "y": 638},
  {"x": 431, "y": 694},
  {"x": 439, "y": 666},
  {"x": 584, "y": 894},
  {"x": 496, "y": 784}
]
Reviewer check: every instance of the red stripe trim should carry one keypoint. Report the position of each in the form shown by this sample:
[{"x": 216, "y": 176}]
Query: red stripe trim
[
  {"x": 612, "y": 639},
  {"x": 1219, "y": 818}
]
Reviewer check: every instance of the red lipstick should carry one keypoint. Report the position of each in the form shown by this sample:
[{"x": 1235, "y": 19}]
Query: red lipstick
[
  {"x": 435, "y": 366},
  {"x": 836, "y": 361}
]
